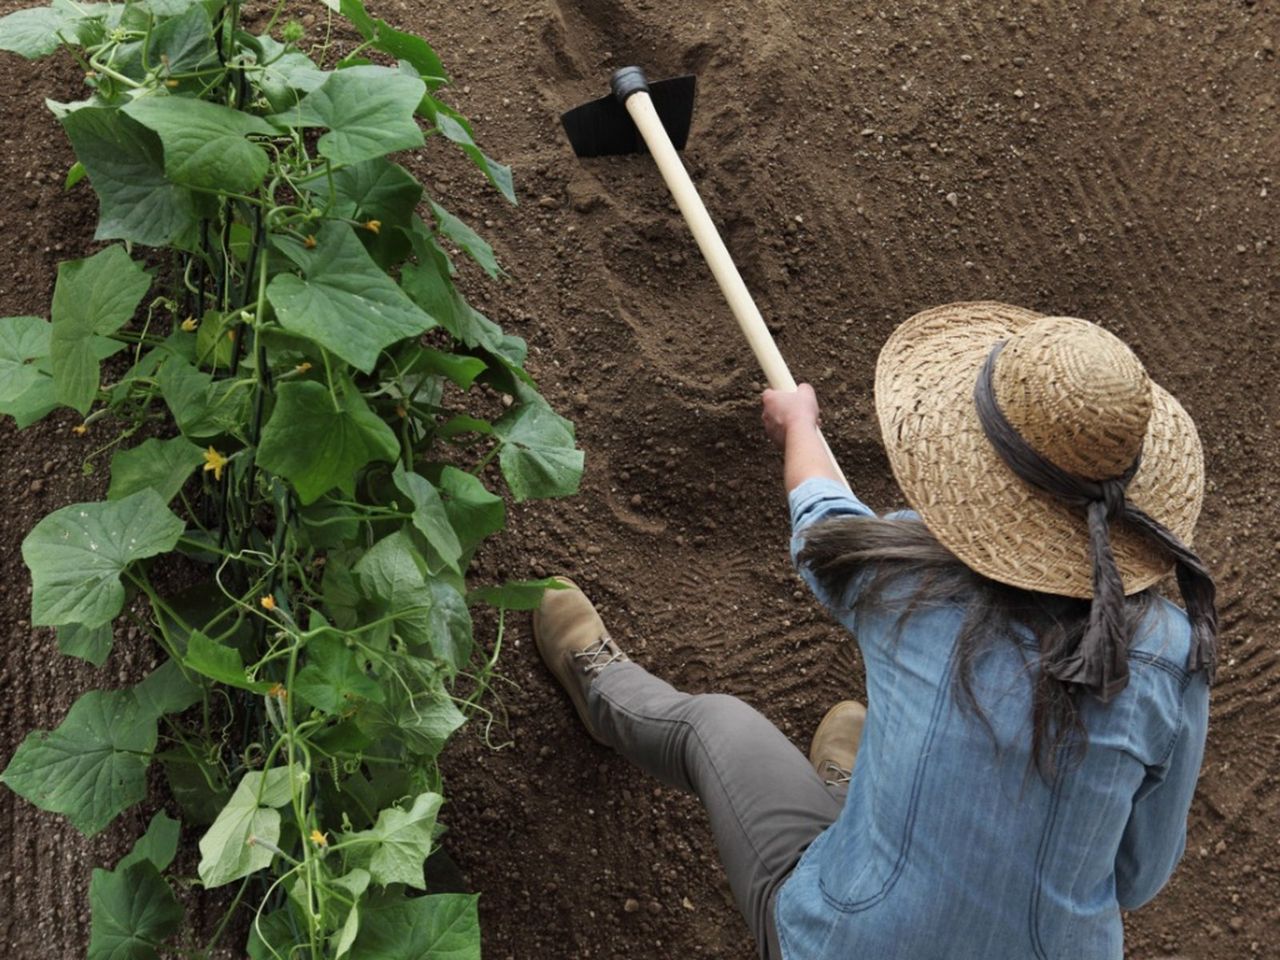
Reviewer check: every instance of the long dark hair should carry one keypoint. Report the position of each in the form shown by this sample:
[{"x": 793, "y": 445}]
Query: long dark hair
[{"x": 895, "y": 552}]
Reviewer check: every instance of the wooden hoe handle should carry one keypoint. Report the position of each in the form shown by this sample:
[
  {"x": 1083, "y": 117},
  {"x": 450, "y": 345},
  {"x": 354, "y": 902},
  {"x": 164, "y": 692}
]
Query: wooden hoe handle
[{"x": 640, "y": 106}]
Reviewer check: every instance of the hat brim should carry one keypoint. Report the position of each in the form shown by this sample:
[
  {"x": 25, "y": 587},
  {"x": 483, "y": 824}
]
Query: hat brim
[{"x": 994, "y": 522}]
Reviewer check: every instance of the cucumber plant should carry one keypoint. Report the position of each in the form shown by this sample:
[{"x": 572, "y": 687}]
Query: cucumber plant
[{"x": 275, "y": 354}]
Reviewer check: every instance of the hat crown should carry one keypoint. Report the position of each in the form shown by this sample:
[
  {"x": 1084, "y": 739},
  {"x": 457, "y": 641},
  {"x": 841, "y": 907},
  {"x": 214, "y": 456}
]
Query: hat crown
[{"x": 1077, "y": 394}]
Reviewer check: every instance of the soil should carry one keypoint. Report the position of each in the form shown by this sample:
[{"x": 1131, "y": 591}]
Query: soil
[{"x": 1110, "y": 161}]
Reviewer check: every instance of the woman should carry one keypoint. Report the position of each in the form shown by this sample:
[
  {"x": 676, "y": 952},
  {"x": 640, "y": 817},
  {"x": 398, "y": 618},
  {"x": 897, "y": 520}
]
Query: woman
[{"x": 1036, "y": 713}]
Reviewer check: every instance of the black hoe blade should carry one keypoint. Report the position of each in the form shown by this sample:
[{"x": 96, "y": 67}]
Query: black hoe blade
[{"x": 603, "y": 127}]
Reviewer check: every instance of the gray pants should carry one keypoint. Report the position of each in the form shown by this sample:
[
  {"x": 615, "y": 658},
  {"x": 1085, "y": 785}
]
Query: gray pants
[{"x": 765, "y": 802}]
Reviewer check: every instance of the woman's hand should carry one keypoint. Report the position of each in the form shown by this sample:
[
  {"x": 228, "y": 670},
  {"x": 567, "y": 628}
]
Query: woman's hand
[{"x": 786, "y": 409}]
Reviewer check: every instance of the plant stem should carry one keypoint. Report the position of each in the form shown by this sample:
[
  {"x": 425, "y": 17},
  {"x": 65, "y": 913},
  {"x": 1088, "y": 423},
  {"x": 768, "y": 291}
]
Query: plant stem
[
  {"x": 275, "y": 15},
  {"x": 328, "y": 376},
  {"x": 226, "y": 918},
  {"x": 298, "y": 804}
]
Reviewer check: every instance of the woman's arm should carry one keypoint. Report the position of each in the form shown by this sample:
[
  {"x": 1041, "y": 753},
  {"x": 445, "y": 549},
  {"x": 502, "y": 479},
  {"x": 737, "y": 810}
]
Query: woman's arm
[
  {"x": 1156, "y": 835},
  {"x": 791, "y": 422},
  {"x": 815, "y": 491}
]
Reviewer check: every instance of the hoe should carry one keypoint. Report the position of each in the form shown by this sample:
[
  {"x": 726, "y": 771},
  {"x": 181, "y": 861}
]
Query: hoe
[{"x": 639, "y": 115}]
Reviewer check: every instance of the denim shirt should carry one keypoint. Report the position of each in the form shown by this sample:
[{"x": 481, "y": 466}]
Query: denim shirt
[{"x": 949, "y": 846}]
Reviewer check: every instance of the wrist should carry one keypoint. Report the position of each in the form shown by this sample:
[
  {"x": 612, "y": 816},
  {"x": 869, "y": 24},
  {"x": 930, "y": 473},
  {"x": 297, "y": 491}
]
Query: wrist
[{"x": 801, "y": 425}]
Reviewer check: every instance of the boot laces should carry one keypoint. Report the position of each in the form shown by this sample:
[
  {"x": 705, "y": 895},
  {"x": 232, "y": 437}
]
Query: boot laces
[
  {"x": 599, "y": 655},
  {"x": 834, "y": 775}
]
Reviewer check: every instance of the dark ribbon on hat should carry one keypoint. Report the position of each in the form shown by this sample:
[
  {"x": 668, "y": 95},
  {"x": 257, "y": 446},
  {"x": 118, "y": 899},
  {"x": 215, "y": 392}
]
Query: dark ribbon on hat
[{"x": 1098, "y": 662}]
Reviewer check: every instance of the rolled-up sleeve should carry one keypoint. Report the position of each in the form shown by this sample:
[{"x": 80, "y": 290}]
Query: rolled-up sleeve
[
  {"x": 813, "y": 501},
  {"x": 1156, "y": 835}
]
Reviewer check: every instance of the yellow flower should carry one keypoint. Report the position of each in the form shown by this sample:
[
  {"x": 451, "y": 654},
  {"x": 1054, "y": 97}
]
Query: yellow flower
[
  {"x": 268, "y": 602},
  {"x": 401, "y": 412},
  {"x": 190, "y": 324},
  {"x": 278, "y": 691},
  {"x": 80, "y": 429},
  {"x": 319, "y": 839},
  {"x": 373, "y": 226},
  {"x": 231, "y": 334},
  {"x": 214, "y": 461},
  {"x": 309, "y": 242},
  {"x": 171, "y": 83},
  {"x": 304, "y": 366}
]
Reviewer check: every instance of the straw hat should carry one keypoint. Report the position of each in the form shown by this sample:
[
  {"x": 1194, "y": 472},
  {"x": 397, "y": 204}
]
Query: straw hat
[{"x": 1078, "y": 396}]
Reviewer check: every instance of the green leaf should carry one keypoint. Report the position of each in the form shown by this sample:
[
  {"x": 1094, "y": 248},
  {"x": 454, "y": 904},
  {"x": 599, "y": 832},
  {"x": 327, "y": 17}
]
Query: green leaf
[
  {"x": 143, "y": 369},
  {"x": 94, "y": 296},
  {"x": 428, "y": 283},
  {"x": 350, "y": 928},
  {"x": 202, "y": 406},
  {"x": 33, "y": 33},
  {"x": 374, "y": 190},
  {"x": 88, "y": 643},
  {"x": 391, "y": 574},
  {"x": 401, "y": 842},
  {"x": 403, "y": 46},
  {"x": 429, "y": 515},
  {"x": 133, "y": 912},
  {"x": 158, "y": 846},
  {"x": 185, "y": 44},
  {"x": 355, "y": 883},
  {"x": 341, "y": 595},
  {"x": 159, "y": 465},
  {"x": 424, "y": 724},
  {"x": 453, "y": 126},
  {"x": 367, "y": 110},
  {"x": 22, "y": 340},
  {"x": 442, "y": 926},
  {"x": 474, "y": 512},
  {"x": 166, "y": 690},
  {"x": 202, "y": 606},
  {"x": 326, "y": 525},
  {"x": 75, "y": 173},
  {"x": 515, "y": 594},
  {"x": 333, "y": 679},
  {"x": 226, "y": 853},
  {"x": 467, "y": 239},
  {"x": 204, "y": 143},
  {"x": 215, "y": 338},
  {"x": 451, "y": 629},
  {"x": 317, "y": 448},
  {"x": 287, "y": 72},
  {"x": 456, "y": 426},
  {"x": 169, "y": 8},
  {"x": 92, "y": 766},
  {"x": 77, "y": 554},
  {"x": 240, "y": 242},
  {"x": 461, "y": 370},
  {"x": 272, "y": 935},
  {"x": 538, "y": 455},
  {"x": 36, "y": 403},
  {"x": 344, "y": 301},
  {"x": 200, "y": 799},
  {"x": 217, "y": 662},
  {"x": 125, "y": 162}
]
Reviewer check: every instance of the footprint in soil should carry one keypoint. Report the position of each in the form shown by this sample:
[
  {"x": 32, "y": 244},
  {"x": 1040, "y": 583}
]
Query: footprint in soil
[
  {"x": 656, "y": 282},
  {"x": 587, "y": 38}
]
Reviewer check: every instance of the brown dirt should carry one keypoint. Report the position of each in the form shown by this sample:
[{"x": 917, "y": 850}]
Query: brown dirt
[{"x": 1111, "y": 161}]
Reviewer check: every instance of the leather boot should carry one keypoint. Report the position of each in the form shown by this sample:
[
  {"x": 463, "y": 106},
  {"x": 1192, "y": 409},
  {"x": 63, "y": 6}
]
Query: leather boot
[
  {"x": 835, "y": 742},
  {"x": 573, "y": 643}
]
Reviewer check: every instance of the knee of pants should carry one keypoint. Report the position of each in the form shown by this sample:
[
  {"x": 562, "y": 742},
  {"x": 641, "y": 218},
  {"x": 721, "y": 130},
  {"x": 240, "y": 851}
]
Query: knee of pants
[{"x": 719, "y": 716}]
